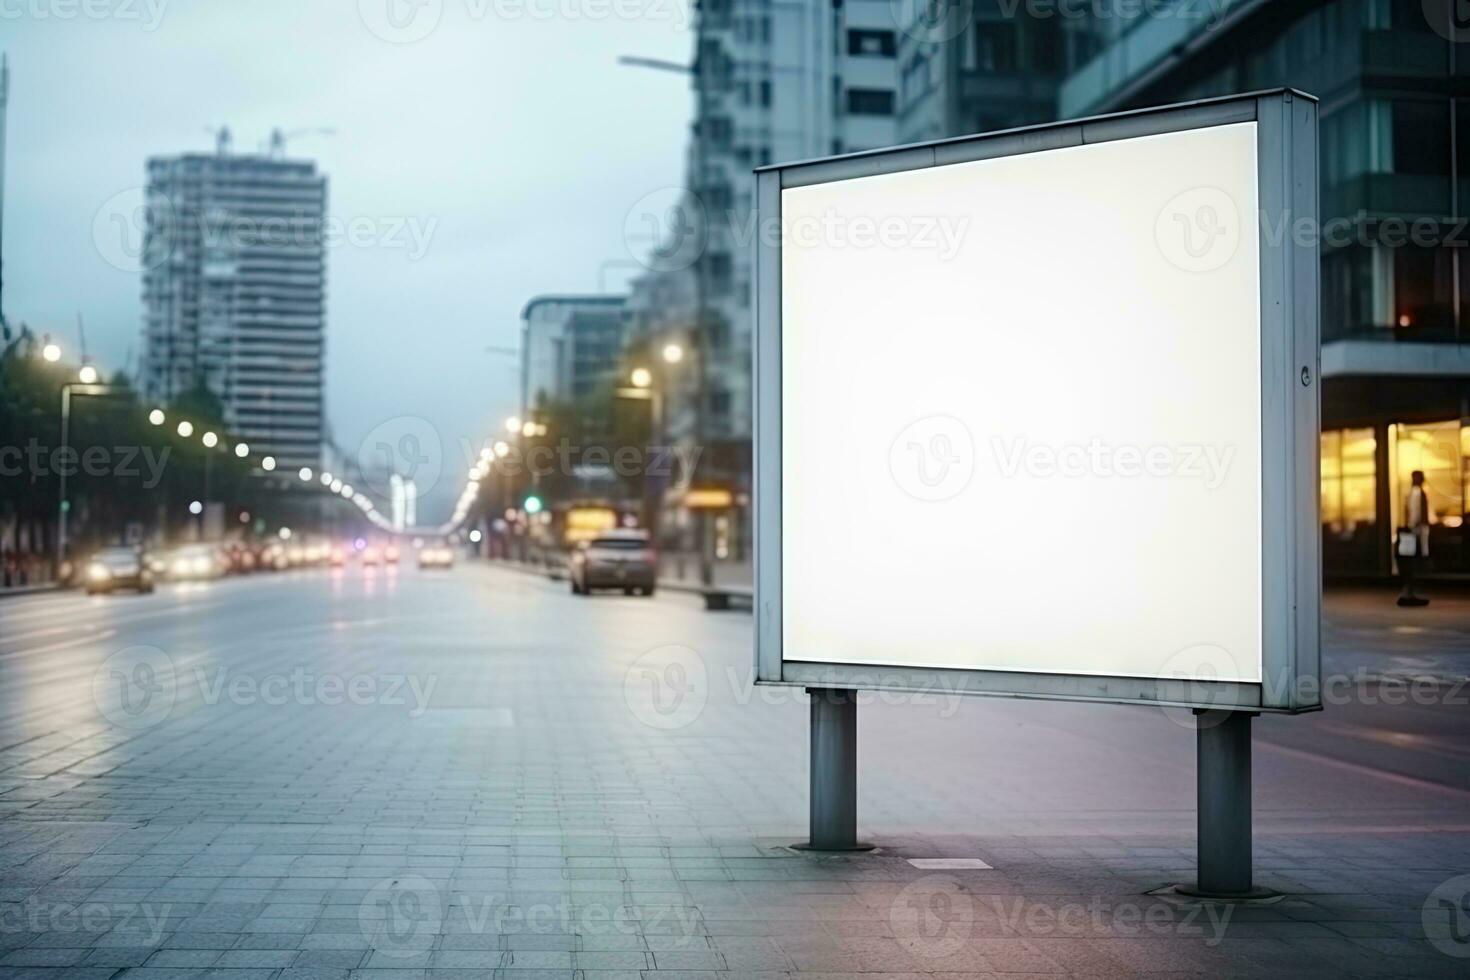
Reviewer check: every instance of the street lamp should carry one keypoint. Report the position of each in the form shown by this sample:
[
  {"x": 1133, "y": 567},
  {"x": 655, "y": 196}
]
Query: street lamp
[
  {"x": 642, "y": 377},
  {"x": 210, "y": 440},
  {"x": 156, "y": 416},
  {"x": 513, "y": 425},
  {"x": 87, "y": 375},
  {"x": 326, "y": 479},
  {"x": 268, "y": 464},
  {"x": 186, "y": 428},
  {"x": 51, "y": 352},
  {"x": 242, "y": 450},
  {"x": 196, "y": 508},
  {"x": 673, "y": 353},
  {"x": 305, "y": 474}
]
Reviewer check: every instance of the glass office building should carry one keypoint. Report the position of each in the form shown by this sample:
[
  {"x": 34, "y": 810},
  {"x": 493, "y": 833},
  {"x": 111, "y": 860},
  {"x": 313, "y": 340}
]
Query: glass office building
[{"x": 1394, "y": 86}]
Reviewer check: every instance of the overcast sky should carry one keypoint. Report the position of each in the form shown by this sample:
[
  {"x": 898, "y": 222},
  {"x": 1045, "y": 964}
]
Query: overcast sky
[{"x": 499, "y": 137}]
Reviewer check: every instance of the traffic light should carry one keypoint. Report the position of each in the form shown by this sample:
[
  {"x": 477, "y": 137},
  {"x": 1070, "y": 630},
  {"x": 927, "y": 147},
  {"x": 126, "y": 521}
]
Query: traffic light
[{"x": 534, "y": 504}]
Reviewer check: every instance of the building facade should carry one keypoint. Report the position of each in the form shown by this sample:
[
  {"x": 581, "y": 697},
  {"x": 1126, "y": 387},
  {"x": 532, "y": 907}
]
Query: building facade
[
  {"x": 572, "y": 346},
  {"x": 1394, "y": 87},
  {"x": 234, "y": 292},
  {"x": 773, "y": 80}
]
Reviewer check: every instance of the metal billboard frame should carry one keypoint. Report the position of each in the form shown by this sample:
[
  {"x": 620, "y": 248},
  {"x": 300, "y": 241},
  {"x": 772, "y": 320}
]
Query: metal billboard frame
[{"x": 1290, "y": 411}]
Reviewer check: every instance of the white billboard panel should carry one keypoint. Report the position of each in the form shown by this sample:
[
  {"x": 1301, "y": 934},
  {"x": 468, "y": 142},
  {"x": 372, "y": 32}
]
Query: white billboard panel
[{"x": 1027, "y": 417}]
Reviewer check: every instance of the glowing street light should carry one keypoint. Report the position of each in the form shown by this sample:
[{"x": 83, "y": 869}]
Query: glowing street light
[
  {"x": 268, "y": 464},
  {"x": 51, "y": 352},
  {"x": 642, "y": 377},
  {"x": 210, "y": 440},
  {"x": 156, "y": 416},
  {"x": 528, "y": 430},
  {"x": 305, "y": 474},
  {"x": 475, "y": 536},
  {"x": 87, "y": 375},
  {"x": 502, "y": 449},
  {"x": 186, "y": 428},
  {"x": 242, "y": 450},
  {"x": 673, "y": 353},
  {"x": 196, "y": 508},
  {"x": 326, "y": 479},
  {"x": 513, "y": 424}
]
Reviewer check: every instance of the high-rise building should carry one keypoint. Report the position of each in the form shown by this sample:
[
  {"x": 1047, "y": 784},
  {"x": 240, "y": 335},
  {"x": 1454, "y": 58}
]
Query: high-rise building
[
  {"x": 1394, "y": 85},
  {"x": 234, "y": 294},
  {"x": 773, "y": 80}
]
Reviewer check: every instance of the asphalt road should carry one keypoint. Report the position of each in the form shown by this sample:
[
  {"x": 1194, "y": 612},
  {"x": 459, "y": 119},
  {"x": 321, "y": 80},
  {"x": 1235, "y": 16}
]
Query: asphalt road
[
  {"x": 355, "y": 703},
  {"x": 281, "y": 671}
]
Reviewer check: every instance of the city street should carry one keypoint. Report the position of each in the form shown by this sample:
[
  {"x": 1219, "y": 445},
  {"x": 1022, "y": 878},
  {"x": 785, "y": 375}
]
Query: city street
[{"x": 477, "y": 773}]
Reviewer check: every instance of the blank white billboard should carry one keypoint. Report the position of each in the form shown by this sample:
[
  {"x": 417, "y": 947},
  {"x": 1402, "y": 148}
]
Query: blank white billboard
[{"x": 1021, "y": 412}]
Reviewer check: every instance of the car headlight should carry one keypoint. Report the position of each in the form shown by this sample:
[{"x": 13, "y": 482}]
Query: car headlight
[
  {"x": 98, "y": 572},
  {"x": 181, "y": 567},
  {"x": 201, "y": 565}
]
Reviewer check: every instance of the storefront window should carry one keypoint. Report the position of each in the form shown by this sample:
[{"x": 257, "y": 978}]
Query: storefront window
[
  {"x": 1349, "y": 503},
  {"x": 1441, "y": 451}
]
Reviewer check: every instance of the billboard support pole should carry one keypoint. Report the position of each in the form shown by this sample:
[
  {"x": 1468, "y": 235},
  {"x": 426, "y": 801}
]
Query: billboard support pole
[
  {"x": 1224, "y": 809},
  {"x": 833, "y": 805}
]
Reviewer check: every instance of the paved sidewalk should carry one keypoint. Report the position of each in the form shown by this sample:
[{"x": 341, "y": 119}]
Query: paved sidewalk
[{"x": 595, "y": 792}]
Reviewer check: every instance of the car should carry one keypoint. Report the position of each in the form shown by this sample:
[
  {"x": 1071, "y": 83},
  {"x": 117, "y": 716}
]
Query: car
[
  {"x": 436, "y": 556},
  {"x": 615, "y": 560},
  {"x": 118, "y": 568},
  {"x": 196, "y": 563}
]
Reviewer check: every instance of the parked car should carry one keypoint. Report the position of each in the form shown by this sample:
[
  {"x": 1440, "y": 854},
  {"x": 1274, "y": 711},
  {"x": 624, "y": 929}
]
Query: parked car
[
  {"x": 615, "y": 560},
  {"x": 118, "y": 568}
]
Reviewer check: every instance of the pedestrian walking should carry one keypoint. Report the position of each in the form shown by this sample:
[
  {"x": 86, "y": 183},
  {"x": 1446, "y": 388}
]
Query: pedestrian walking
[{"x": 1413, "y": 540}]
